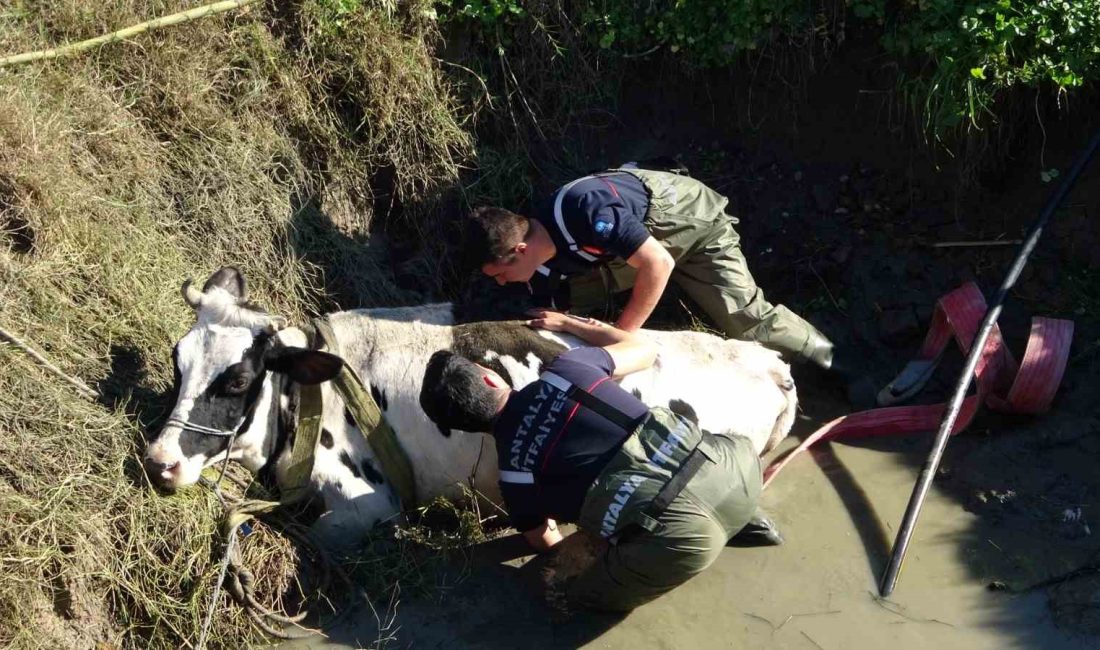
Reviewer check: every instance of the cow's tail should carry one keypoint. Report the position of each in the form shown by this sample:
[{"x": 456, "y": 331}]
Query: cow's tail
[{"x": 781, "y": 373}]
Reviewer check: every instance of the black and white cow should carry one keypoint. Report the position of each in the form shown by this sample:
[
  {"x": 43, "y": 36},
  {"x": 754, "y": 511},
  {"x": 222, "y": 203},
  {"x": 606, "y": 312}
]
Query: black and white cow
[{"x": 239, "y": 368}]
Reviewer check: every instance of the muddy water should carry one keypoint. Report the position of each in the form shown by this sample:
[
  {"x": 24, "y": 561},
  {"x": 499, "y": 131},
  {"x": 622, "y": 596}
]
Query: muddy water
[{"x": 837, "y": 511}]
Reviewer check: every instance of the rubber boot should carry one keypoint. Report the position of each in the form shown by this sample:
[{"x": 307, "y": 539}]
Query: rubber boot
[
  {"x": 841, "y": 364},
  {"x": 760, "y": 531}
]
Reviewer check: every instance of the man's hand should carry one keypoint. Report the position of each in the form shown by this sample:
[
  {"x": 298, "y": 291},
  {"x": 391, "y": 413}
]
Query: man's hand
[
  {"x": 545, "y": 537},
  {"x": 555, "y": 321},
  {"x": 628, "y": 351}
]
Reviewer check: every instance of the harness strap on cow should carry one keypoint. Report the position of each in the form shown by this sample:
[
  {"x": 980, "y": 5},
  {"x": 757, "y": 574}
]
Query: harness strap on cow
[
  {"x": 396, "y": 466},
  {"x": 300, "y": 466}
]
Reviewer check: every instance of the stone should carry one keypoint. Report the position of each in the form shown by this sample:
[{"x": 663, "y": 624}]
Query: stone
[{"x": 841, "y": 254}]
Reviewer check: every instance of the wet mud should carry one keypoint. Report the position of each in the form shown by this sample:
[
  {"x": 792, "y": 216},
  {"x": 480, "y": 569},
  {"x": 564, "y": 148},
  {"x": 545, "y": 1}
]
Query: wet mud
[{"x": 837, "y": 509}]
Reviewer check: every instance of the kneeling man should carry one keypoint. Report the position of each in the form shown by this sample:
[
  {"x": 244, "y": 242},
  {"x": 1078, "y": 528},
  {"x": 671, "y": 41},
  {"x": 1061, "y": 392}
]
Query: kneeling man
[{"x": 575, "y": 447}]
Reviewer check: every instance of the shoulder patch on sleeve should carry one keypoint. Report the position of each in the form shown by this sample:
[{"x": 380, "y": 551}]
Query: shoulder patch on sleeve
[{"x": 603, "y": 227}]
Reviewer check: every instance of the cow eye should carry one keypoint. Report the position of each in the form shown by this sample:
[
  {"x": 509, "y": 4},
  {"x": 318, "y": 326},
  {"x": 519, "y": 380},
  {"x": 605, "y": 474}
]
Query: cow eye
[{"x": 238, "y": 384}]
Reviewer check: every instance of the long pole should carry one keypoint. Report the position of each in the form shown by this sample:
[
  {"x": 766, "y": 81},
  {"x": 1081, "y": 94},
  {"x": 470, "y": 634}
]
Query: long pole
[
  {"x": 920, "y": 490},
  {"x": 123, "y": 34}
]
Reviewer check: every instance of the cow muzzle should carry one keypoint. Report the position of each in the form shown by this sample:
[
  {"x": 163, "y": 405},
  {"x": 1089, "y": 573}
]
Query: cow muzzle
[{"x": 163, "y": 474}]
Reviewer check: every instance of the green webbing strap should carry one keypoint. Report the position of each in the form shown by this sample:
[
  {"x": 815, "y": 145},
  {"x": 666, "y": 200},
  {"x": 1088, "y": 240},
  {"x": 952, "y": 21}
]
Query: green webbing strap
[
  {"x": 396, "y": 466},
  {"x": 305, "y": 442}
]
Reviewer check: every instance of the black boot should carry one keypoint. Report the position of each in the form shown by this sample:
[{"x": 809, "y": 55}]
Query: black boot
[{"x": 760, "y": 531}]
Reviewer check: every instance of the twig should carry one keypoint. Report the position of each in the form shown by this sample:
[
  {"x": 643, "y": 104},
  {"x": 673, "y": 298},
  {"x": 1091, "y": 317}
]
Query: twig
[
  {"x": 1090, "y": 567},
  {"x": 488, "y": 95},
  {"x": 794, "y": 616},
  {"x": 638, "y": 55},
  {"x": 523, "y": 98},
  {"x": 761, "y": 618},
  {"x": 976, "y": 243},
  {"x": 122, "y": 34},
  {"x": 882, "y": 602},
  {"x": 81, "y": 387},
  {"x": 811, "y": 640},
  {"x": 826, "y": 286}
]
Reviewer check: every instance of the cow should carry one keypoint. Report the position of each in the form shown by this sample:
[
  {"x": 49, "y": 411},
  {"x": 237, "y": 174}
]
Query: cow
[{"x": 240, "y": 369}]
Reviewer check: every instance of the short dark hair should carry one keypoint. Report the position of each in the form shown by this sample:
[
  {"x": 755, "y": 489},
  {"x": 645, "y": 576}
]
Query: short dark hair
[
  {"x": 491, "y": 233},
  {"x": 455, "y": 395}
]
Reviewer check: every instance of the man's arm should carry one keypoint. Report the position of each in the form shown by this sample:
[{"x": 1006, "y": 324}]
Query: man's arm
[
  {"x": 654, "y": 266},
  {"x": 629, "y": 351},
  {"x": 545, "y": 537}
]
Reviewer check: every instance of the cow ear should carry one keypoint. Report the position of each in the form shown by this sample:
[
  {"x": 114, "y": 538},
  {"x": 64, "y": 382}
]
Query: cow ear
[
  {"x": 302, "y": 365},
  {"x": 230, "y": 280}
]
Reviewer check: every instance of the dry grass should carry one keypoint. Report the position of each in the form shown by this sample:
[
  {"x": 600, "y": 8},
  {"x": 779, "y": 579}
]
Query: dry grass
[{"x": 270, "y": 140}]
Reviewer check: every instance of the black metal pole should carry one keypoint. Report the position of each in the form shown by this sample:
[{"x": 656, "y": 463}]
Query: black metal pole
[{"x": 920, "y": 490}]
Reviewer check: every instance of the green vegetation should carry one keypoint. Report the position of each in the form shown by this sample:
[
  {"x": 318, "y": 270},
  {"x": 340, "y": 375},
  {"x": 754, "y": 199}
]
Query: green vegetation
[
  {"x": 974, "y": 51},
  {"x": 705, "y": 33},
  {"x": 957, "y": 59}
]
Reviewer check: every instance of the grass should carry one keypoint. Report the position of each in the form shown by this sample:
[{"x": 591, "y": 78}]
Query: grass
[{"x": 270, "y": 139}]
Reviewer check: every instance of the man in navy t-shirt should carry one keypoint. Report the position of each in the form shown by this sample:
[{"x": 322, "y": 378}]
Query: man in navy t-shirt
[
  {"x": 532, "y": 433},
  {"x": 645, "y": 228},
  {"x": 575, "y": 447}
]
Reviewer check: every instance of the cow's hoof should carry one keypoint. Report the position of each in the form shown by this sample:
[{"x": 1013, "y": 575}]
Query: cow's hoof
[{"x": 760, "y": 531}]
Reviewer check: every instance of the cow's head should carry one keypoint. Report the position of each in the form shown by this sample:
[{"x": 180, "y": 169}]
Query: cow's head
[{"x": 224, "y": 366}]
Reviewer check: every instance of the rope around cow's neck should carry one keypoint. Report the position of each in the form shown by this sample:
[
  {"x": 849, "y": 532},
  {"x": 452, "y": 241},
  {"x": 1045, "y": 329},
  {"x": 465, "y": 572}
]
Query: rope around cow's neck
[
  {"x": 232, "y": 537},
  {"x": 243, "y": 579}
]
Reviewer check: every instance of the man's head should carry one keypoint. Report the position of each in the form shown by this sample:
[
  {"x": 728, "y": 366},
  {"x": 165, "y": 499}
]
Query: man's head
[
  {"x": 459, "y": 394},
  {"x": 500, "y": 243}
]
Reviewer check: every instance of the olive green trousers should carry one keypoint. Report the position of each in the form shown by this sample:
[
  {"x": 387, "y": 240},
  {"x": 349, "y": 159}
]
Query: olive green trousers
[
  {"x": 718, "y": 501},
  {"x": 689, "y": 220}
]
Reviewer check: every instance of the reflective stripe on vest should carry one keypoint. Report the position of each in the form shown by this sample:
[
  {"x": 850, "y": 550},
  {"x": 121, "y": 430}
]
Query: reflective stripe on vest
[
  {"x": 572, "y": 243},
  {"x": 581, "y": 396},
  {"x": 556, "y": 381},
  {"x": 512, "y": 476}
]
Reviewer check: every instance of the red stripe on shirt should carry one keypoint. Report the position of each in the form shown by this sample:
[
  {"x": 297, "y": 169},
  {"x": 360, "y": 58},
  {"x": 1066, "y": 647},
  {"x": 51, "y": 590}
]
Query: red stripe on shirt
[{"x": 614, "y": 192}]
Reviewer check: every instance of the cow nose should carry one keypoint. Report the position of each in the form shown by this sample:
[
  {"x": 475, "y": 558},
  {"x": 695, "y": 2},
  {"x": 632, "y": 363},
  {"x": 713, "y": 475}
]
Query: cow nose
[{"x": 157, "y": 469}]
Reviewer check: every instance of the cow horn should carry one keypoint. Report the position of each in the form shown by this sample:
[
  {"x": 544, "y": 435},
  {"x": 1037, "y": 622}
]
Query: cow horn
[{"x": 191, "y": 295}]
